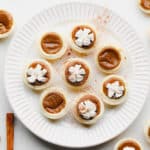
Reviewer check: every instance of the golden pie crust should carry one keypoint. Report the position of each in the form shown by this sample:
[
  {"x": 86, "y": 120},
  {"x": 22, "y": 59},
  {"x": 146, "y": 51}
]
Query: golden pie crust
[
  {"x": 113, "y": 101},
  {"x": 54, "y": 104},
  {"x": 6, "y": 24},
  {"x": 37, "y": 85},
  {"x": 109, "y": 59},
  {"x": 95, "y": 99},
  {"x": 52, "y": 45},
  {"x": 144, "y": 5}
]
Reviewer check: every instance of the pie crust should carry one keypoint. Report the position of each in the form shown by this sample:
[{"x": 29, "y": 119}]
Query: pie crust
[
  {"x": 109, "y": 59},
  {"x": 37, "y": 85},
  {"x": 83, "y": 98},
  {"x": 130, "y": 143},
  {"x": 52, "y": 46},
  {"x": 83, "y": 49},
  {"x": 114, "y": 101},
  {"x": 53, "y": 102},
  {"x": 147, "y": 131},
  {"x": 73, "y": 62},
  {"x": 143, "y": 7},
  {"x": 6, "y": 24}
]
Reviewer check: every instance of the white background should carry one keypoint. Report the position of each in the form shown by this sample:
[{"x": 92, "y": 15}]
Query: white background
[{"x": 23, "y": 10}]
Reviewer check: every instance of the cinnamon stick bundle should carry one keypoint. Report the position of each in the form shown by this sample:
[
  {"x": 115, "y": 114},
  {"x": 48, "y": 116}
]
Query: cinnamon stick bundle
[{"x": 10, "y": 131}]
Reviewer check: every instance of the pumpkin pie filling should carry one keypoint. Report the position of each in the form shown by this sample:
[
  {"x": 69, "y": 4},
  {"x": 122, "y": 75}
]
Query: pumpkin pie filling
[
  {"x": 6, "y": 21},
  {"x": 109, "y": 58},
  {"x": 145, "y": 4},
  {"x": 88, "y": 107},
  {"x": 51, "y": 43},
  {"x": 84, "y": 36},
  {"x": 108, "y": 85},
  {"x": 129, "y": 144},
  {"x": 45, "y": 76},
  {"x": 54, "y": 102},
  {"x": 71, "y": 73}
]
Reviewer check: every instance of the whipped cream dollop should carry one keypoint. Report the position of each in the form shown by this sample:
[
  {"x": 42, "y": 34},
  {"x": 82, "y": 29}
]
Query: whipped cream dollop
[
  {"x": 36, "y": 74},
  {"x": 87, "y": 109},
  {"x": 77, "y": 73},
  {"x": 128, "y": 148},
  {"x": 115, "y": 90},
  {"x": 84, "y": 37}
]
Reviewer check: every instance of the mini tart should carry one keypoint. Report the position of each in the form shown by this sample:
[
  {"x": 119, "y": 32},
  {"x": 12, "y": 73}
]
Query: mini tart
[
  {"x": 144, "y": 5},
  {"x": 87, "y": 109},
  {"x": 52, "y": 46},
  {"x": 76, "y": 73},
  {"x": 6, "y": 24},
  {"x": 38, "y": 74},
  {"x": 128, "y": 144},
  {"x": 81, "y": 41},
  {"x": 54, "y": 104},
  {"x": 114, "y": 90},
  {"x": 147, "y": 131},
  {"x": 109, "y": 59}
]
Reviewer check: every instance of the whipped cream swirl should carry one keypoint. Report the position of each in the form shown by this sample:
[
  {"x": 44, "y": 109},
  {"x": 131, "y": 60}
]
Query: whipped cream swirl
[
  {"x": 84, "y": 37},
  {"x": 87, "y": 109},
  {"x": 77, "y": 73},
  {"x": 115, "y": 90},
  {"x": 36, "y": 74},
  {"x": 128, "y": 148}
]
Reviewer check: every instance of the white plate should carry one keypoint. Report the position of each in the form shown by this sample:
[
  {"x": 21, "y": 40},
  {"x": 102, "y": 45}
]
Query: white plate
[{"x": 67, "y": 132}]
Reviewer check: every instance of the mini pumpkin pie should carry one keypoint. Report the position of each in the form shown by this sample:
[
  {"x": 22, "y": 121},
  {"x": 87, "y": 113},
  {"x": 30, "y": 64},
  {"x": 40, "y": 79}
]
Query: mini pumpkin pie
[
  {"x": 87, "y": 109},
  {"x": 83, "y": 39},
  {"x": 38, "y": 74},
  {"x": 76, "y": 73},
  {"x": 128, "y": 144},
  {"x": 6, "y": 24},
  {"x": 147, "y": 131},
  {"x": 144, "y": 5},
  {"x": 109, "y": 59},
  {"x": 52, "y": 46},
  {"x": 114, "y": 90},
  {"x": 54, "y": 104}
]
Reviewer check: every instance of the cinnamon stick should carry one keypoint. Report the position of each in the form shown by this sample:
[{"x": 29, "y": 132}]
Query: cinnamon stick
[{"x": 10, "y": 131}]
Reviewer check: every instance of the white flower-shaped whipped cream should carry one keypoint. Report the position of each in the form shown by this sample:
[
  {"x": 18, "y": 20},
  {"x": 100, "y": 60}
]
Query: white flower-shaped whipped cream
[
  {"x": 36, "y": 74},
  {"x": 87, "y": 109},
  {"x": 128, "y": 148},
  {"x": 84, "y": 37},
  {"x": 76, "y": 73},
  {"x": 115, "y": 90}
]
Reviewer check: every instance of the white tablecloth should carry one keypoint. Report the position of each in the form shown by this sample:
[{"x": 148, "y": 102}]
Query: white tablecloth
[{"x": 22, "y": 11}]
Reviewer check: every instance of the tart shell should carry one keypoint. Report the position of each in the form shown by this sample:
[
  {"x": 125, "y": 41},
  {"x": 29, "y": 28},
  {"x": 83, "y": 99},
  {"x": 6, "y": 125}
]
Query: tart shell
[
  {"x": 127, "y": 139},
  {"x": 146, "y": 130},
  {"x": 38, "y": 87},
  {"x": 60, "y": 114},
  {"x": 81, "y": 50},
  {"x": 59, "y": 54},
  {"x": 111, "y": 101},
  {"x": 142, "y": 8},
  {"x": 6, "y": 34},
  {"x": 83, "y": 121},
  {"x": 114, "y": 70},
  {"x": 64, "y": 76}
]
